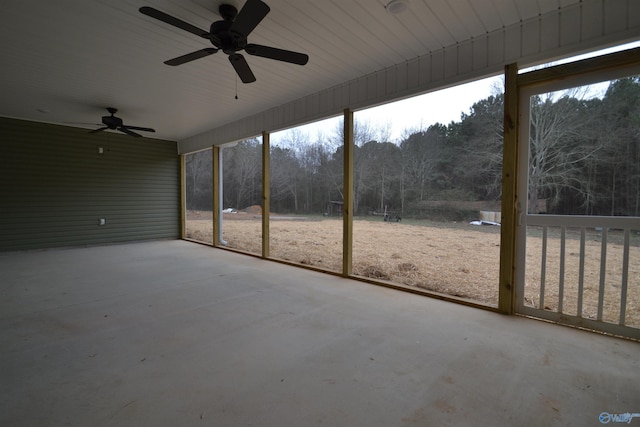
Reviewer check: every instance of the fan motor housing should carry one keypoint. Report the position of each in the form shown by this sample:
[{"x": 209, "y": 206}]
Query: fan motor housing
[
  {"x": 223, "y": 38},
  {"x": 112, "y": 122}
]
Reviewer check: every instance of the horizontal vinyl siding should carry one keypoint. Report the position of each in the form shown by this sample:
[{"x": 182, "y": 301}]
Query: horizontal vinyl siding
[{"x": 55, "y": 187}]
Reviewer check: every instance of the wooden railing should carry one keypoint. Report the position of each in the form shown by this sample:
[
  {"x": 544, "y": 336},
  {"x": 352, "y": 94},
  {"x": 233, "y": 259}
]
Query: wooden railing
[{"x": 624, "y": 231}]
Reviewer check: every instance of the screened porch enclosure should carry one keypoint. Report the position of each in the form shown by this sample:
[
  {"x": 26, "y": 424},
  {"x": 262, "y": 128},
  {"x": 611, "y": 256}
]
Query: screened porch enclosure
[{"x": 580, "y": 261}]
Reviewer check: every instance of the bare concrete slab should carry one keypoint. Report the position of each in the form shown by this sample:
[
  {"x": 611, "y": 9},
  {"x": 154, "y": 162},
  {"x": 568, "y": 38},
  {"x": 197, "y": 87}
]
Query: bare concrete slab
[{"x": 173, "y": 333}]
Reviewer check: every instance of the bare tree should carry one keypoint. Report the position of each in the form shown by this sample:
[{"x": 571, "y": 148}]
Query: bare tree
[
  {"x": 242, "y": 166},
  {"x": 364, "y": 132},
  {"x": 619, "y": 140},
  {"x": 557, "y": 148},
  {"x": 198, "y": 180},
  {"x": 481, "y": 150},
  {"x": 421, "y": 153},
  {"x": 284, "y": 175}
]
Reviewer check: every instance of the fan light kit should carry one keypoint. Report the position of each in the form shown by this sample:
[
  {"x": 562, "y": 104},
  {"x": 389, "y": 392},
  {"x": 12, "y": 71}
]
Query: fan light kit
[
  {"x": 230, "y": 36},
  {"x": 396, "y": 7}
]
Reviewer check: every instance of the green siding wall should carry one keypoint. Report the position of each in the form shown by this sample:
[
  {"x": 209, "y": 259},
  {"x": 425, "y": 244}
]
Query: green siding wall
[{"x": 54, "y": 187}]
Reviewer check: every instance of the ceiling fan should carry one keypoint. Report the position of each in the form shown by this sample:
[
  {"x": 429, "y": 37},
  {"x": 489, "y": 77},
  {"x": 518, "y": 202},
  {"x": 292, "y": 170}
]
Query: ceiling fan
[
  {"x": 115, "y": 123},
  {"x": 230, "y": 36}
]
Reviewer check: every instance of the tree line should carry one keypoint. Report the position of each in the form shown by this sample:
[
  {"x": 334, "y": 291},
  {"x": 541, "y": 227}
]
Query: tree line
[{"x": 584, "y": 159}]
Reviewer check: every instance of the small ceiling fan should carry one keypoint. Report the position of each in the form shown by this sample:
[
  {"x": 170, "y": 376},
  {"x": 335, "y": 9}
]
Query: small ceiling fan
[
  {"x": 230, "y": 36},
  {"x": 115, "y": 123}
]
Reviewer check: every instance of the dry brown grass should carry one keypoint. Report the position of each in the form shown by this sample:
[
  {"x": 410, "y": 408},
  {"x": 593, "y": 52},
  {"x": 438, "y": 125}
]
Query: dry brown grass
[{"x": 462, "y": 260}]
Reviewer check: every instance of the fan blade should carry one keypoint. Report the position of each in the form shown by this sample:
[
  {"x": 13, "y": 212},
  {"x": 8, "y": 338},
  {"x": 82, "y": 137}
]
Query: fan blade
[
  {"x": 192, "y": 56},
  {"x": 249, "y": 17},
  {"x": 99, "y": 130},
  {"x": 171, "y": 20},
  {"x": 277, "y": 54},
  {"x": 139, "y": 128},
  {"x": 128, "y": 132},
  {"x": 242, "y": 68}
]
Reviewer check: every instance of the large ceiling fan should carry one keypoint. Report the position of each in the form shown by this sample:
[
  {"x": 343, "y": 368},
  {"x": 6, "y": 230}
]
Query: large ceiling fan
[
  {"x": 115, "y": 123},
  {"x": 230, "y": 36}
]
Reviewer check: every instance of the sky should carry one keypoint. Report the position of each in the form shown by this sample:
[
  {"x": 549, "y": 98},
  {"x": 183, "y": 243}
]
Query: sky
[{"x": 443, "y": 106}]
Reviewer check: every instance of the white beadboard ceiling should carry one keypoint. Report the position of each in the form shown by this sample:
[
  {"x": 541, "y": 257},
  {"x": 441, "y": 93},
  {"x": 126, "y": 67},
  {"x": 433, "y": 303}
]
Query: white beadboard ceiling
[{"x": 65, "y": 61}]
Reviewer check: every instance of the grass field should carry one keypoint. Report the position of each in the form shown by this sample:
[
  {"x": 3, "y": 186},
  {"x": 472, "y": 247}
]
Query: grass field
[{"x": 453, "y": 258}]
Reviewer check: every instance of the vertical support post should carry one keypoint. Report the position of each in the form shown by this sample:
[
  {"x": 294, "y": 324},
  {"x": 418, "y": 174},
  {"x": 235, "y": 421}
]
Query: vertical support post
[
  {"x": 266, "y": 193},
  {"x": 347, "y": 207},
  {"x": 506, "y": 292},
  {"x": 183, "y": 197},
  {"x": 216, "y": 191}
]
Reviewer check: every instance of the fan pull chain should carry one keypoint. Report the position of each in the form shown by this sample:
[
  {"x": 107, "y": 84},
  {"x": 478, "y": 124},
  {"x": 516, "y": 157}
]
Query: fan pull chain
[{"x": 236, "y": 87}]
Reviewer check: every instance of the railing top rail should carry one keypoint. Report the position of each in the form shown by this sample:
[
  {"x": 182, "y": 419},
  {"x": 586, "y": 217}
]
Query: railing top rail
[{"x": 618, "y": 222}]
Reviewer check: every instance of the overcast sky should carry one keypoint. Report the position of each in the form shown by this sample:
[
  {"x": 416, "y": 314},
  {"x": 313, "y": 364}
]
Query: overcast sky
[{"x": 443, "y": 106}]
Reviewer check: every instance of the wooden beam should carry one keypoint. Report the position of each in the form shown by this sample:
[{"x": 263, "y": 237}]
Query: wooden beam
[
  {"x": 609, "y": 63},
  {"x": 216, "y": 191},
  {"x": 347, "y": 212},
  {"x": 506, "y": 292},
  {"x": 266, "y": 194},
  {"x": 183, "y": 197}
]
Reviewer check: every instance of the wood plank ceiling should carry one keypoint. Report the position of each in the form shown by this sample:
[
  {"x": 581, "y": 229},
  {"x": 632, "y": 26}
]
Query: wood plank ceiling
[{"x": 66, "y": 60}]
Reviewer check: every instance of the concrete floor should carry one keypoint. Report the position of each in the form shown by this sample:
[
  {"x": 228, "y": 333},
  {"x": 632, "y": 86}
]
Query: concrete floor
[{"x": 173, "y": 333}]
